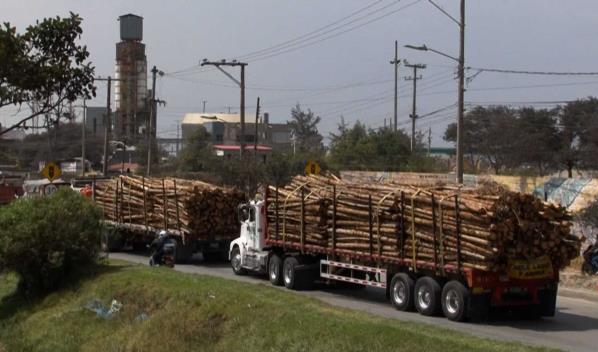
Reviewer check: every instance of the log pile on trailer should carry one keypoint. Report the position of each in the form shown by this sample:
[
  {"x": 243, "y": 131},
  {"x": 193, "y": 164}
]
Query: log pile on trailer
[
  {"x": 193, "y": 209},
  {"x": 480, "y": 228}
]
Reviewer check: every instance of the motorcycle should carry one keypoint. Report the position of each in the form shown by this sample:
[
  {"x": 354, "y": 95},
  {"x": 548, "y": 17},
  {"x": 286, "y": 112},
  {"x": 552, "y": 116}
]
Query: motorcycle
[
  {"x": 587, "y": 267},
  {"x": 168, "y": 256}
]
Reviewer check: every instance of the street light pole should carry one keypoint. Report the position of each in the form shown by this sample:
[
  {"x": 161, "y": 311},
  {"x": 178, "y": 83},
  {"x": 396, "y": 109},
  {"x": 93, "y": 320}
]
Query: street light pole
[
  {"x": 461, "y": 72},
  {"x": 461, "y": 95}
]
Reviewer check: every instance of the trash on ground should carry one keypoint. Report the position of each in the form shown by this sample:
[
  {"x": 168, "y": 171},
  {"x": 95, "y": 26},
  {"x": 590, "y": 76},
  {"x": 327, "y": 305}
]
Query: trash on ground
[{"x": 101, "y": 310}]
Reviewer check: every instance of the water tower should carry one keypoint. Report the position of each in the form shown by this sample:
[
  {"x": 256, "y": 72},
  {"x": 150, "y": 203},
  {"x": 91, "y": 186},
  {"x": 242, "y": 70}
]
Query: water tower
[{"x": 131, "y": 80}]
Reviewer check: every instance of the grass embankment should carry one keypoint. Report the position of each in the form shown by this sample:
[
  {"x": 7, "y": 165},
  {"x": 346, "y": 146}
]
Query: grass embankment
[{"x": 199, "y": 313}]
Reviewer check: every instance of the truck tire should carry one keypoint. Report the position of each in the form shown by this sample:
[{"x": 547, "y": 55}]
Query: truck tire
[
  {"x": 455, "y": 301},
  {"x": 547, "y": 302},
  {"x": 427, "y": 296},
  {"x": 401, "y": 292},
  {"x": 235, "y": 262},
  {"x": 275, "y": 270},
  {"x": 289, "y": 270}
]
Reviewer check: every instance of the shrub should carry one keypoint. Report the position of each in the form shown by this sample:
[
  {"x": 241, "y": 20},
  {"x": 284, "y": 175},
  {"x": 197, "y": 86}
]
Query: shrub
[{"x": 48, "y": 240}]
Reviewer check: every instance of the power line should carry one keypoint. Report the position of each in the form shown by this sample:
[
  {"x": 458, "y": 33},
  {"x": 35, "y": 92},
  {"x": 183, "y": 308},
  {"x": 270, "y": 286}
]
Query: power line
[
  {"x": 314, "y": 31},
  {"x": 523, "y": 72},
  {"x": 294, "y": 48}
]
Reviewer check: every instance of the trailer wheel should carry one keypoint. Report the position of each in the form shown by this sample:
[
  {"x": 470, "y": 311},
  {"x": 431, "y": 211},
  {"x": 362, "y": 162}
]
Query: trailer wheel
[
  {"x": 427, "y": 296},
  {"x": 289, "y": 271},
  {"x": 401, "y": 292},
  {"x": 547, "y": 302},
  {"x": 275, "y": 270},
  {"x": 455, "y": 298},
  {"x": 235, "y": 262}
]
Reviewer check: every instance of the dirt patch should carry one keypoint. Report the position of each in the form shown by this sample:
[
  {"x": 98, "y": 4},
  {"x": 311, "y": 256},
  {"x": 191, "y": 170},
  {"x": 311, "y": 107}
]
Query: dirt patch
[{"x": 575, "y": 280}]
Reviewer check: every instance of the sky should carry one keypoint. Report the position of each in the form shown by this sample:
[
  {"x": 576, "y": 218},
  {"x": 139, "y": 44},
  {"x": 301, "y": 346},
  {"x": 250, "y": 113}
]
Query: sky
[{"x": 335, "y": 54}]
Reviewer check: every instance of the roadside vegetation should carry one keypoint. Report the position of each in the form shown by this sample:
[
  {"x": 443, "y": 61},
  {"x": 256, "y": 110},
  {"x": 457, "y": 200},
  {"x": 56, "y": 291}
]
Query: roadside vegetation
[
  {"x": 163, "y": 310},
  {"x": 49, "y": 241}
]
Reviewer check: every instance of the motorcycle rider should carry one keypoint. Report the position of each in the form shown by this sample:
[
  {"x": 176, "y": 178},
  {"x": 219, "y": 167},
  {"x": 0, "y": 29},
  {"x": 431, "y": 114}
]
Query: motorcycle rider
[
  {"x": 157, "y": 246},
  {"x": 591, "y": 256}
]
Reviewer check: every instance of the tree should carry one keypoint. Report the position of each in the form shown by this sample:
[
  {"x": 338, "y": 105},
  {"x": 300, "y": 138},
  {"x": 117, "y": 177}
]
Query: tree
[
  {"x": 305, "y": 129},
  {"x": 492, "y": 133},
  {"x": 197, "y": 154},
  {"x": 538, "y": 140},
  {"x": 44, "y": 67},
  {"x": 359, "y": 148},
  {"x": 470, "y": 133},
  {"x": 578, "y": 136}
]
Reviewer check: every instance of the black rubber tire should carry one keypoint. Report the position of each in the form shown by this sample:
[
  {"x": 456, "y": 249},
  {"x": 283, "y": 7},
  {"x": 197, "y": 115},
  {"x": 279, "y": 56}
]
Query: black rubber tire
[
  {"x": 459, "y": 295},
  {"x": 408, "y": 285},
  {"x": 237, "y": 269},
  {"x": 289, "y": 273},
  {"x": 547, "y": 302},
  {"x": 427, "y": 305},
  {"x": 211, "y": 257},
  {"x": 275, "y": 270}
]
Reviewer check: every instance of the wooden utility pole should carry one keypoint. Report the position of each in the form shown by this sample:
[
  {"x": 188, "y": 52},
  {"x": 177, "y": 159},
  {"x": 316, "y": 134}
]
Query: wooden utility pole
[
  {"x": 150, "y": 139},
  {"x": 204, "y": 106},
  {"x": 257, "y": 114},
  {"x": 413, "y": 116},
  {"x": 83, "y": 128},
  {"x": 429, "y": 140},
  {"x": 107, "y": 126},
  {"x": 177, "y": 137},
  {"x": 396, "y": 62},
  {"x": 153, "y": 119},
  {"x": 241, "y": 84},
  {"x": 461, "y": 94}
]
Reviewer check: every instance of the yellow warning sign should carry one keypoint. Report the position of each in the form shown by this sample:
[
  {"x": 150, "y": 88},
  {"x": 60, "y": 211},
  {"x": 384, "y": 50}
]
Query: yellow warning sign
[
  {"x": 538, "y": 268},
  {"x": 51, "y": 171},
  {"x": 312, "y": 168}
]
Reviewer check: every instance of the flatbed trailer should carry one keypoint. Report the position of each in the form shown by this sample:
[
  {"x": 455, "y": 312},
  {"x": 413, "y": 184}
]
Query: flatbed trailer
[{"x": 457, "y": 292}]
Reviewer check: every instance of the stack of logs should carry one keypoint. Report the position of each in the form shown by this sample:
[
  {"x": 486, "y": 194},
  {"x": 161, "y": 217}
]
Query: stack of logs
[
  {"x": 443, "y": 225},
  {"x": 194, "y": 209}
]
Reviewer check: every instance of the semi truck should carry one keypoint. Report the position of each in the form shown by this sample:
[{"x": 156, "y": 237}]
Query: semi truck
[{"x": 458, "y": 293}]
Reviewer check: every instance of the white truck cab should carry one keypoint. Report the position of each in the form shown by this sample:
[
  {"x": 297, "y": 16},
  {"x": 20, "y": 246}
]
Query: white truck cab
[{"x": 248, "y": 251}]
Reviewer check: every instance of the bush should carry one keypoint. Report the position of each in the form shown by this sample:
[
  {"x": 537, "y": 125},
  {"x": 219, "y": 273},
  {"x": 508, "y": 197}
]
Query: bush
[{"x": 48, "y": 240}]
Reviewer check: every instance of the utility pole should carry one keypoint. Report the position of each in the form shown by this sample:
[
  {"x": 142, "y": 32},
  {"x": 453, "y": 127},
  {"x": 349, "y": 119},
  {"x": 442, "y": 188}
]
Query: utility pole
[
  {"x": 429, "y": 139},
  {"x": 461, "y": 95},
  {"x": 241, "y": 84},
  {"x": 107, "y": 124},
  {"x": 152, "y": 120},
  {"x": 177, "y": 137},
  {"x": 83, "y": 138},
  {"x": 396, "y": 62},
  {"x": 413, "y": 116},
  {"x": 204, "y": 106},
  {"x": 257, "y": 114}
]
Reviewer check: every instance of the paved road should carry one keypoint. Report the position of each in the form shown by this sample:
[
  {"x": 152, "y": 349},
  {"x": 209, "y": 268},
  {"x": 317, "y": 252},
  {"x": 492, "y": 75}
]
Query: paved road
[{"x": 574, "y": 328}]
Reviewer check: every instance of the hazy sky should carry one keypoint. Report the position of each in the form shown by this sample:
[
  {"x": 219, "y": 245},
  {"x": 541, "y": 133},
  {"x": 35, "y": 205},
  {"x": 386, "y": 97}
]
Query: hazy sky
[{"x": 348, "y": 73}]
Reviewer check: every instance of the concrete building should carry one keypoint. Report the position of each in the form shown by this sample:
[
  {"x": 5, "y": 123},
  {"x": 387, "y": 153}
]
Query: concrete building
[{"x": 225, "y": 130}]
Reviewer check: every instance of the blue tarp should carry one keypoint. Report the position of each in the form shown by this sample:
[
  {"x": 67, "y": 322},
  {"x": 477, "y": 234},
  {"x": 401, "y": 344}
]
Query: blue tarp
[{"x": 563, "y": 191}]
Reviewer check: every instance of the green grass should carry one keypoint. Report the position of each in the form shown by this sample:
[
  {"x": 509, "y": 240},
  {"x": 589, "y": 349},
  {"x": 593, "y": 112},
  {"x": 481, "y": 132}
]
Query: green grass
[{"x": 200, "y": 313}]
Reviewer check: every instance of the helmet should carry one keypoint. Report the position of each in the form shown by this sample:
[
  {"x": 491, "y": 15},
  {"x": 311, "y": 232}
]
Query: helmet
[{"x": 162, "y": 234}]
